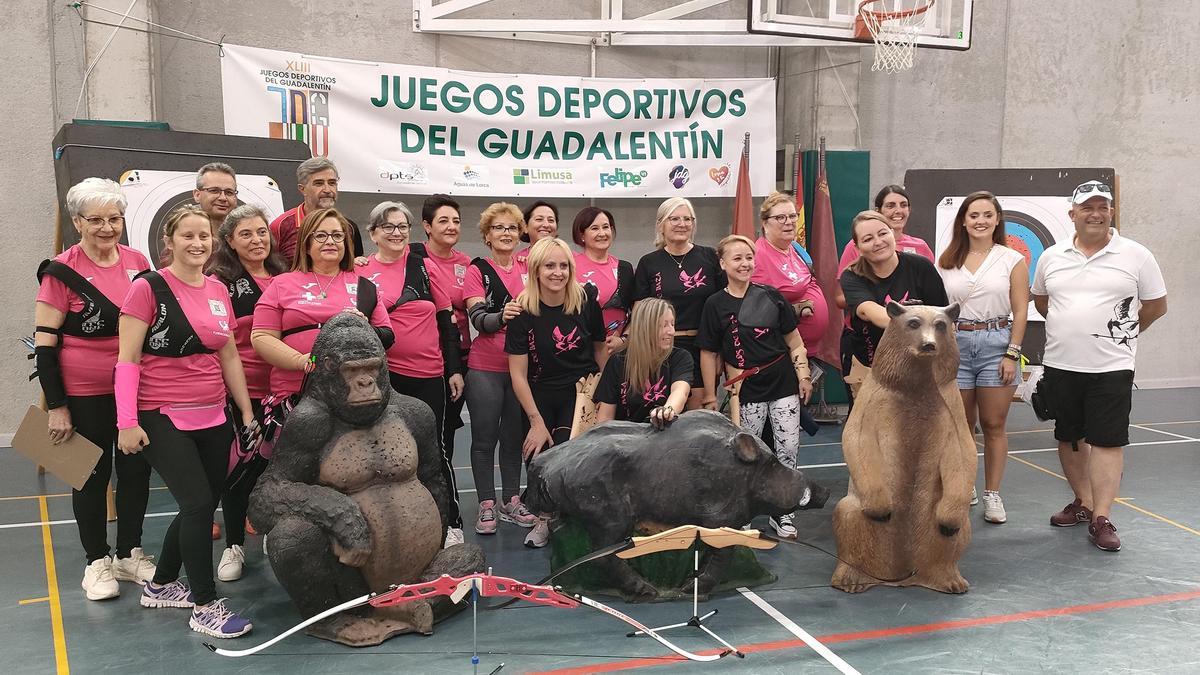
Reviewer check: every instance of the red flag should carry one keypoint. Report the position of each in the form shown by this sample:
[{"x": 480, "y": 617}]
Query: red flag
[
  {"x": 743, "y": 202},
  {"x": 823, "y": 250}
]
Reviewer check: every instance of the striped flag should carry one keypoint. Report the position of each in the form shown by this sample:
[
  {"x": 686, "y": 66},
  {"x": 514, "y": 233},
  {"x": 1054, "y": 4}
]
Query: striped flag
[{"x": 798, "y": 190}]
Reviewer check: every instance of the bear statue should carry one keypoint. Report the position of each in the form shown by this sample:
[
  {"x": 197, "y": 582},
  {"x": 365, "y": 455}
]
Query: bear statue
[
  {"x": 353, "y": 500},
  {"x": 702, "y": 470},
  {"x": 911, "y": 457}
]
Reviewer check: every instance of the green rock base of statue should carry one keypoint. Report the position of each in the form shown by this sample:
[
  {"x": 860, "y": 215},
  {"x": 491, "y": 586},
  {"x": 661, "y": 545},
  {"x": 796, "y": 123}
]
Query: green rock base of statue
[{"x": 667, "y": 571}]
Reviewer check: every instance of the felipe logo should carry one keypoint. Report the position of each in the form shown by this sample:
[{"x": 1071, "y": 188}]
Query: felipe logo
[
  {"x": 720, "y": 175},
  {"x": 679, "y": 176},
  {"x": 623, "y": 178}
]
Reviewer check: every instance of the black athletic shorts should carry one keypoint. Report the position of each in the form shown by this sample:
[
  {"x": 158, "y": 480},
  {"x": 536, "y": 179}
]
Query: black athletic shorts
[{"x": 1093, "y": 407}]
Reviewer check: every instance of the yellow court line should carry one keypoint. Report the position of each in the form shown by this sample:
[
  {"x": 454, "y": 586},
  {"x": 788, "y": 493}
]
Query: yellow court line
[
  {"x": 57, "y": 494},
  {"x": 1123, "y": 501},
  {"x": 30, "y": 601},
  {"x": 56, "y": 620}
]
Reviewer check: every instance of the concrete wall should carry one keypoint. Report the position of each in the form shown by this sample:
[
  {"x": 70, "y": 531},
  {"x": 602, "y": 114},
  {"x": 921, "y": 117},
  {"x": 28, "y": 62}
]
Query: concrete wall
[{"x": 1108, "y": 89}]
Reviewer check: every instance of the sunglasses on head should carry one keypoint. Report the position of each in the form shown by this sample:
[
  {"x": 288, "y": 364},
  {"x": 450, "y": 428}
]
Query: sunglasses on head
[{"x": 1092, "y": 187}]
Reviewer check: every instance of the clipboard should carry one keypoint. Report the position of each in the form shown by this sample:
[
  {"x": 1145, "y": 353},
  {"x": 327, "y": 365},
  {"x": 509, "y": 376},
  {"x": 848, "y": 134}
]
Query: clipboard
[{"x": 72, "y": 460}]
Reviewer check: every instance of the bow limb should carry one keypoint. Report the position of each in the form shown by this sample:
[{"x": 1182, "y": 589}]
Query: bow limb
[
  {"x": 349, "y": 604},
  {"x": 594, "y": 555},
  {"x": 647, "y": 630}
]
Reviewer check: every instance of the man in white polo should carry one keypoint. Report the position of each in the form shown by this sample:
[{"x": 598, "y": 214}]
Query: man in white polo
[{"x": 1099, "y": 293}]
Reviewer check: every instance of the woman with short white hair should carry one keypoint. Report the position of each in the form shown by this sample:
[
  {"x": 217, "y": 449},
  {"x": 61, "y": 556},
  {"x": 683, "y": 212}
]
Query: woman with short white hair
[{"x": 76, "y": 316}]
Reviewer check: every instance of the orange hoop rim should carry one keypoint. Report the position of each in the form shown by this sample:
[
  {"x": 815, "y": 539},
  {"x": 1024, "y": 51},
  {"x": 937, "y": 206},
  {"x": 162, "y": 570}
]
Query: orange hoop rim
[{"x": 861, "y": 31}]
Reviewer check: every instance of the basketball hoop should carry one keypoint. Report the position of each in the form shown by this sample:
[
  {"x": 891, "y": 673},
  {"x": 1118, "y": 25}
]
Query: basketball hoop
[{"x": 895, "y": 33}]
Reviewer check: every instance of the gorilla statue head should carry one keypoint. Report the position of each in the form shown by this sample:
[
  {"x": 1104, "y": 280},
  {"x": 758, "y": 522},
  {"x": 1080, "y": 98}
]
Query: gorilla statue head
[{"x": 351, "y": 374}]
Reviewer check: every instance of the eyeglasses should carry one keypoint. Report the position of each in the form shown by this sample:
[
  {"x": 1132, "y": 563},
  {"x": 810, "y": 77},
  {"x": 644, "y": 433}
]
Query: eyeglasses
[
  {"x": 782, "y": 218},
  {"x": 392, "y": 228},
  {"x": 217, "y": 192},
  {"x": 335, "y": 237},
  {"x": 499, "y": 229},
  {"x": 675, "y": 220},
  {"x": 98, "y": 222}
]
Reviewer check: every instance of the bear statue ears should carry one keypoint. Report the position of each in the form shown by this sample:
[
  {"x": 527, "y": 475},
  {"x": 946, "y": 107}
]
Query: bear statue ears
[{"x": 895, "y": 309}]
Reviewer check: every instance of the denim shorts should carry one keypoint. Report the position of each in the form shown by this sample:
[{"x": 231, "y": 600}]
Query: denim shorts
[{"x": 979, "y": 354}]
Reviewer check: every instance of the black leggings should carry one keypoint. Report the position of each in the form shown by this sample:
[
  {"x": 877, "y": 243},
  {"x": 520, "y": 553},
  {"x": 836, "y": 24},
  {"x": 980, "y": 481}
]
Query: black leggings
[
  {"x": 192, "y": 464},
  {"x": 95, "y": 418},
  {"x": 432, "y": 391},
  {"x": 235, "y": 499},
  {"x": 557, "y": 408}
]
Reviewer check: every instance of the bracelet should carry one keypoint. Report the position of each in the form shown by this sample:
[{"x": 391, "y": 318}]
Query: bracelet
[
  {"x": 806, "y": 378},
  {"x": 1012, "y": 357}
]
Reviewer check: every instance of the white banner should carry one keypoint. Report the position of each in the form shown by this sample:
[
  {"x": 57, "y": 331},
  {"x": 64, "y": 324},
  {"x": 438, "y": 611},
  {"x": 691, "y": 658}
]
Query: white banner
[{"x": 406, "y": 129}]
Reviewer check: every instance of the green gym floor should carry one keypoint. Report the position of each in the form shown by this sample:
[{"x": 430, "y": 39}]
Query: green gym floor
[{"x": 1042, "y": 599}]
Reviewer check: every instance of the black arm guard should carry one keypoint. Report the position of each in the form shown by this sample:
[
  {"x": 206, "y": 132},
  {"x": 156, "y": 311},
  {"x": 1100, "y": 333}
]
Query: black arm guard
[
  {"x": 386, "y": 336},
  {"x": 484, "y": 321},
  {"x": 50, "y": 375},
  {"x": 448, "y": 332}
]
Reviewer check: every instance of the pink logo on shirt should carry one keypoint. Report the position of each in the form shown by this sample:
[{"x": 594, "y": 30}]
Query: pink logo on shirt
[
  {"x": 655, "y": 391},
  {"x": 563, "y": 343},
  {"x": 903, "y": 301},
  {"x": 760, "y": 332},
  {"x": 693, "y": 281}
]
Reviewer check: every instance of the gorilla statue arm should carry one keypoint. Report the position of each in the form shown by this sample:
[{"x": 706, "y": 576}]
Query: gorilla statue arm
[{"x": 288, "y": 487}]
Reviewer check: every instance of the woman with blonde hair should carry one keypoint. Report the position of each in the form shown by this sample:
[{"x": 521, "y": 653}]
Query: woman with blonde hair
[
  {"x": 683, "y": 273},
  {"x": 557, "y": 339},
  {"x": 651, "y": 379}
]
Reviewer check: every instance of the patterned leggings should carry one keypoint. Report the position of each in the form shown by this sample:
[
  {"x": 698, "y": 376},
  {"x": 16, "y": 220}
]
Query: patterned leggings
[{"x": 784, "y": 414}]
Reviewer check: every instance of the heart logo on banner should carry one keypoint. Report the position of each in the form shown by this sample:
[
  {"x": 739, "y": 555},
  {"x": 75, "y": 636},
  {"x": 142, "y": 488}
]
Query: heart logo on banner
[{"x": 720, "y": 176}]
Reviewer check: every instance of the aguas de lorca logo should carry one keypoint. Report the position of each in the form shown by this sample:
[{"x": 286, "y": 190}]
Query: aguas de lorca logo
[{"x": 303, "y": 104}]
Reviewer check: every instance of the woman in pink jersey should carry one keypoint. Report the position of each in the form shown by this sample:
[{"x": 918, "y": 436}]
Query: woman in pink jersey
[
  {"x": 76, "y": 317},
  {"x": 778, "y": 264},
  {"x": 423, "y": 362},
  {"x": 892, "y": 202},
  {"x": 594, "y": 230},
  {"x": 541, "y": 222},
  {"x": 492, "y": 285},
  {"x": 246, "y": 264},
  {"x": 177, "y": 327}
]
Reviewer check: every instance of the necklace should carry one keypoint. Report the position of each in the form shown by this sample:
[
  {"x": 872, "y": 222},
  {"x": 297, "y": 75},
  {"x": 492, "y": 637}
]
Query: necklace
[
  {"x": 325, "y": 289},
  {"x": 679, "y": 260},
  {"x": 984, "y": 253}
]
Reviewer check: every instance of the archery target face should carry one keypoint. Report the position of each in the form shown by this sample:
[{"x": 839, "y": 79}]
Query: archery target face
[
  {"x": 154, "y": 194},
  {"x": 1032, "y": 225}
]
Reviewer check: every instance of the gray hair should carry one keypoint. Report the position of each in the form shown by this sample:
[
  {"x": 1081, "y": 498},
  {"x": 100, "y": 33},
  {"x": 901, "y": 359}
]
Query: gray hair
[
  {"x": 313, "y": 165},
  {"x": 237, "y": 215},
  {"x": 381, "y": 211},
  {"x": 214, "y": 167},
  {"x": 96, "y": 192}
]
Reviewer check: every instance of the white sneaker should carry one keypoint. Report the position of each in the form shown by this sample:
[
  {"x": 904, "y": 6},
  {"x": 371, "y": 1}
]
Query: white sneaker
[
  {"x": 974, "y": 496},
  {"x": 138, "y": 567},
  {"x": 454, "y": 537},
  {"x": 98, "y": 580},
  {"x": 783, "y": 526},
  {"x": 993, "y": 507},
  {"x": 230, "y": 567},
  {"x": 539, "y": 536}
]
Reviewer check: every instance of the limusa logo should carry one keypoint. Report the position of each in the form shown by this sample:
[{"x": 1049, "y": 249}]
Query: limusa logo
[
  {"x": 679, "y": 176},
  {"x": 543, "y": 177},
  {"x": 622, "y": 178},
  {"x": 303, "y": 98}
]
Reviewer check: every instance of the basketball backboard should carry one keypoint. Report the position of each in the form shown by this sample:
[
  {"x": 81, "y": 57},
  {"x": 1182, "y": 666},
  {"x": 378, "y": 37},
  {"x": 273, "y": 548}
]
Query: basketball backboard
[{"x": 946, "y": 24}]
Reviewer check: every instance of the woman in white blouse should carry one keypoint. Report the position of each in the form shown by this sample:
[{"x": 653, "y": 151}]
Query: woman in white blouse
[{"x": 991, "y": 284}]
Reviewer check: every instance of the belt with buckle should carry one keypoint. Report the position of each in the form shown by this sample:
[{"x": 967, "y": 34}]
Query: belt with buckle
[{"x": 990, "y": 324}]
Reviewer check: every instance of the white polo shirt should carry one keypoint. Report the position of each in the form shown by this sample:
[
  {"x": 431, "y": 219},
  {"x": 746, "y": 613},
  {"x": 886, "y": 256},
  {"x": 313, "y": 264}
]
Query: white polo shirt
[{"x": 1092, "y": 325}]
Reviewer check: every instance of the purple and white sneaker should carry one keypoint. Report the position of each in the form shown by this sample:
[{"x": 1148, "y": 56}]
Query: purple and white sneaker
[
  {"x": 174, "y": 594},
  {"x": 219, "y": 621}
]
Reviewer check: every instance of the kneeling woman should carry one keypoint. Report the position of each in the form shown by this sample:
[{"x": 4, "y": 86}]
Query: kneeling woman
[
  {"x": 557, "y": 339},
  {"x": 650, "y": 380},
  {"x": 176, "y": 326},
  {"x": 753, "y": 328}
]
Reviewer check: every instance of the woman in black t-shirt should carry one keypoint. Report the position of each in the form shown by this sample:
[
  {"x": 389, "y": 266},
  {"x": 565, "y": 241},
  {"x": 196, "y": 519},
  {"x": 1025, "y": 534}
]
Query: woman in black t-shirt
[
  {"x": 881, "y": 275},
  {"x": 649, "y": 381},
  {"x": 682, "y": 272},
  {"x": 753, "y": 328}
]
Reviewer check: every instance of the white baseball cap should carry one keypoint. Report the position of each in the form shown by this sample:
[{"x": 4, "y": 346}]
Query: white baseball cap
[{"x": 1092, "y": 188}]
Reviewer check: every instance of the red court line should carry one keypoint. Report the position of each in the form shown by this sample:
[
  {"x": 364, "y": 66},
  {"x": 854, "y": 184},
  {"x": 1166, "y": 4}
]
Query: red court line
[{"x": 880, "y": 633}]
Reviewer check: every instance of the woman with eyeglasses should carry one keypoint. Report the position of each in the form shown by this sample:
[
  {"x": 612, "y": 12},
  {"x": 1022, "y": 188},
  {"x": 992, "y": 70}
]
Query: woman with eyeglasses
[
  {"x": 492, "y": 284},
  {"x": 246, "y": 264},
  {"x": 990, "y": 282},
  {"x": 541, "y": 222},
  {"x": 753, "y": 329},
  {"x": 292, "y": 310},
  {"x": 177, "y": 327},
  {"x": 594, "y": 230},
  {"x": 685, "y": 274},
  {"x": 423, "y": 361},
  {"x": 778, "y": 264},
  {"x": 75, "y": 337}
]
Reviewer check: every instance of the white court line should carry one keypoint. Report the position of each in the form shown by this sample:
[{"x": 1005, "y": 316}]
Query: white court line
[
  {"x": 833, "y": 659},
  {"x": 1167, "y": 433}
]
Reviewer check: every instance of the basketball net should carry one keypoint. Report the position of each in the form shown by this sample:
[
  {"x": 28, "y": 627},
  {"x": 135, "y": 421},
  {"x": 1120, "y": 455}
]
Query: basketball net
[{"x": 895, "y": 34}]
